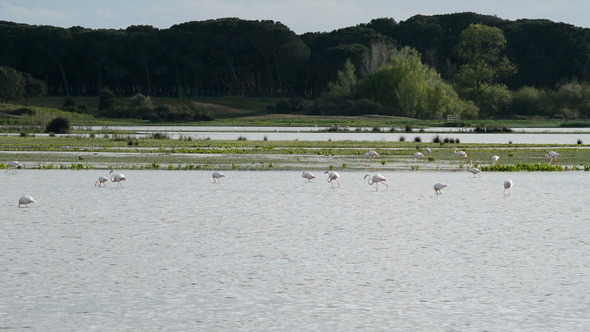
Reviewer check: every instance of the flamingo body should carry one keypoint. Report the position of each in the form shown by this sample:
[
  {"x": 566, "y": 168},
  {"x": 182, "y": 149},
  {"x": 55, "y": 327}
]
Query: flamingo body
[
  {"x": 333, "y": 176},
  {"x": 377, "y": 178},
  {"x": 507, "y": 185},
  {"x": 217, "y": 176},
  {"x": 26, "y": 200},
  {"x": 371, "y": 154},
  {"x": 418, "y": 155},
  {"x": 307, "y": 175},
  {"x": 118, "y": 177},
  {"x": 438, "y": 187},
  {"x": 461, "y": 154},
  {"x": 554, "y": 157},
  {"x": 495, "y": 159},
  {"x": 13, "y": 166},
  {"x": 102, "y": 181}
]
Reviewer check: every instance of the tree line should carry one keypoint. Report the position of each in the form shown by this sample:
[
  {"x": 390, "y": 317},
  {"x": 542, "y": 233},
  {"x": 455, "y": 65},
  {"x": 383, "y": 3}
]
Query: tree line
[{"x": 465, "y": 63}]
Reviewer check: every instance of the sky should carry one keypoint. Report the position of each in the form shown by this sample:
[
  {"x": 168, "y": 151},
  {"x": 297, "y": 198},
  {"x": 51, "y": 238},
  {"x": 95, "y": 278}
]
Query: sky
[{"x": 300, "y": 16}]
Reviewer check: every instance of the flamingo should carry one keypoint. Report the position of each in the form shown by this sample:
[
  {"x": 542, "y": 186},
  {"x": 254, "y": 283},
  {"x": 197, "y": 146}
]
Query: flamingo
[
  {"x": 333, "y": 176},
  {"x": 507, "y": 185},
  {"x": 554, "y": 157},
  {"x": 26, "y": 200},
  {"x": 473, "y": 170},
  {"x": 438, "y": 187},
  {"x": 13, "y": 166},
  {"x": 461, "y": 154},
  {"x": 308, "y": 176},
  {"x": 371, "y": 154},
  {"x": 217, "y": 176},
  {"x": 377, "y": 178},
  {"x": 117, "y": 177},
  {"x": 102, "y": 181},
  {"x": 418, "y": 155},
  {"x": 495, "y": 160},
  {"x": 428, "y": 150}
]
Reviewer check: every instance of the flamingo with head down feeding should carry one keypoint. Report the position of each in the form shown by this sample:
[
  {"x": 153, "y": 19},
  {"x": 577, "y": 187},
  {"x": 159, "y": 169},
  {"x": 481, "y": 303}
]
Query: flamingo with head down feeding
[
  {"x": 438, "y": 187},
  {"x": 333, "y": 176},
  {"x": 308, "y": 175}
]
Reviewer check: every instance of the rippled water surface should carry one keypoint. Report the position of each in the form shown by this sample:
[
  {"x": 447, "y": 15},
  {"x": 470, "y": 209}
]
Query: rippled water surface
[{"x": 267, "y": 251}]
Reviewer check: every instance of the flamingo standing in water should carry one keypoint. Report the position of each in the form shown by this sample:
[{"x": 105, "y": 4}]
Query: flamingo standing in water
[
  {"x": 438, "y": 187},
  {"x": 333, "y": 176},
  {"x": 371, "y": 154},
  {"x": 308, "y": 176},
  {"x": 554, "y": 157},
  {"x": 377, "y": 178},
  {"x": 26, "y": 200},
  {"x": 117, "y": 177},
  {"x": 102, "y": 181},
  {"x": 507, "y": 185},
  {"x": 473, "y": 170},
  {"x": 217, "y": 176},
  {"x": 461, "y": 154},
  {"x": 495, "y": 160},
  {"x": 418, "y": 155},
  {"x": 13, "y": 166}
]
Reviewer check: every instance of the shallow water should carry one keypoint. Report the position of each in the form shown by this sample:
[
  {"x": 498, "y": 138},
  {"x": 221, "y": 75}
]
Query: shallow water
[{"x": 265, "y": 250}]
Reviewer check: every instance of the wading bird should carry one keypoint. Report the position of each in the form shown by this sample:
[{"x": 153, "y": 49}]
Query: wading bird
[
  {"x": 371, "y": 154},
  {"x": 308, "y": 176},
  {"x": 102, "y": 181},
  {"x": 117, "y": 177},
  {"x": 377, "y": 178},
  {"x": 495, "y": 160},
  {"x": 461, "y": 154},
  {"x": 333, "y": 176},
  {"x": 217, "y": 176},
  {"x": 418, "y": 155},
  {"x": 26, "y": 200},
  {"x": 438, "y": 187},
  {"x": 473, "y": 170},
  {"x": 507, "y": 185},
  {"x": 13, "y": 166},
  {"x": 554, "y": 157}
]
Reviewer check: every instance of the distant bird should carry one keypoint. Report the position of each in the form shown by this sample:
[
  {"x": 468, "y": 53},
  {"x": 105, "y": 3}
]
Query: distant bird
[
  {"x": 26, "y": 200},
  {"x": 13, "y": 166},
  {"x": 308, "y": 176},
  {"x": 473, "y": 170},
  {"x": 461, "y": 154},
  {"x": 554, "y": 157},
  {"x": 495, "y": 160},
  {"x": 371, "y": 154},
  {"x": 102, "y": 181},
  {"x": 418, "y": 155},
  {"x": 438, "y": 187},
  {"x": 507, "y": 185},
  {"x": 428, "y": 150},
  {"x": 333, "y": 176},
  {"x": 117, "y": 177},
  {"x": 377, "y": 178},
  {"x": 217, "y": 176}
]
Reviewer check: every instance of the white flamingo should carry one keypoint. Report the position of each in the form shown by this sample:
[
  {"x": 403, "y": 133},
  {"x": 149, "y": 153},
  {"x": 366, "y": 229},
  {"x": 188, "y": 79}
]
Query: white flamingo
[
  {"x": 333, "y": 176},
  {"x": 461, "y": 154},
  {"x": 438, "y": 187},
  {"x": 473, "y": 170},
  {"x": 428, "y": 150},
  {"x": 308, "y": 176},
  {"x": 13, "y": 166},
  {"x": 117, "y": 177},
  {"x": 102, "y": 181},
  {"x": 377, "y": 178},
  {"x": 507, "y": 185},
  {"x": 418, "y": 155},
  {"x": 495, "y": 160},
  {"x": 217, "y": 176},
  {"x": 26, "y": 200},
  {"x": 554, "y": 157},
  {"x": 371, "y": 154}
]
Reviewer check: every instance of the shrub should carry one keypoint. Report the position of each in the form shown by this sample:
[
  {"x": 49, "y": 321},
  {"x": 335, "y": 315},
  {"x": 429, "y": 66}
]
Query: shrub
[{"x": 58, "y": 125}]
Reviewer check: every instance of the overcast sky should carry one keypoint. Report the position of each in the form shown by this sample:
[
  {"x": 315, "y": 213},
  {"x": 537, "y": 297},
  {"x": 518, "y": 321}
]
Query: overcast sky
[{"x": 299, "y": 15}]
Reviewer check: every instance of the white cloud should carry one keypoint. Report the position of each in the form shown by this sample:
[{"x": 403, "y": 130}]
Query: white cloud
[{"x": 38, "y": 15}]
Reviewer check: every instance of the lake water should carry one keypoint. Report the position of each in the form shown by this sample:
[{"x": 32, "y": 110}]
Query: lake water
[{"x": 267, "y": 251}]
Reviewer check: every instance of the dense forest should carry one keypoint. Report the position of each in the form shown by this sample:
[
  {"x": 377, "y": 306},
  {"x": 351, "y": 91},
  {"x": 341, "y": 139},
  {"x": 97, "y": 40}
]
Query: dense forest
[{"x": 463, "y": 63}]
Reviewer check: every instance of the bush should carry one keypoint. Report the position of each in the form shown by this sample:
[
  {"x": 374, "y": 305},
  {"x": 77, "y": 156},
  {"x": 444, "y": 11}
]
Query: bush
[{"x": 58, "y": 125}]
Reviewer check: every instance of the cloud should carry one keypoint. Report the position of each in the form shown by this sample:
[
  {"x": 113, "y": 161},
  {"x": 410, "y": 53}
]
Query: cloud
[{"x": 35, "y": 14}]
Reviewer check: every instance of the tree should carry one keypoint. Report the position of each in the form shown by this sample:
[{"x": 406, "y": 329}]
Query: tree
[
  {"x": 480, "y": 50},
  {"x": 345, "y": 81},
  {"x": 12, "y": 84},
  {"x": 106, "y": 99},
  {"x": 33, "y": 88},
  {"x": 58, "y": 125}
]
